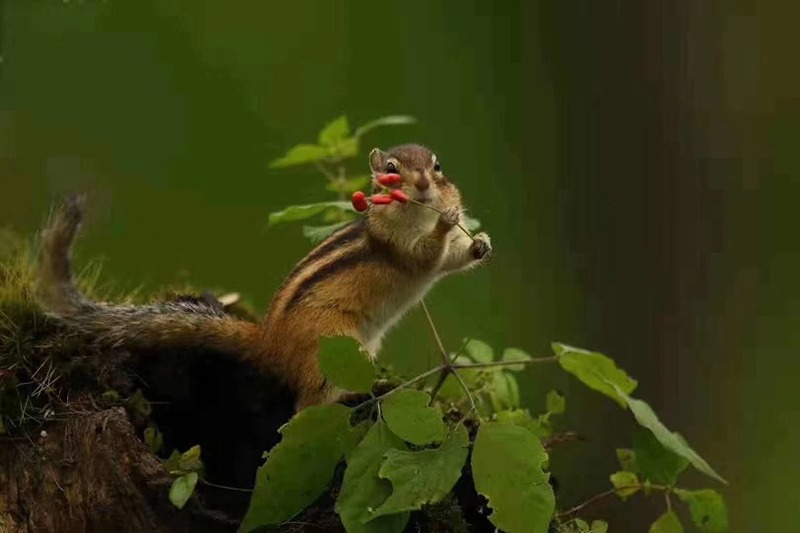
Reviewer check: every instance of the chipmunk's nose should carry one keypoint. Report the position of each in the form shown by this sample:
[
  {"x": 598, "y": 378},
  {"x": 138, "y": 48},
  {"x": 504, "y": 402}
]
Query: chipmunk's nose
[{"x": 422, "y": 183}]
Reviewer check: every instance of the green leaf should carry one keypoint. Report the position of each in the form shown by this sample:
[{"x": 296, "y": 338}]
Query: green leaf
[
  {"x": 300, "y": 467},
  {"x": 598, "y": 526},
  {"x": 626, "y": 483},
  {"x": 302, "y": 212},
  {"x": 182, "y": 489},
  {"x": 707, "y": 508},
  {"x": 362, "y": 489},
  {"x": 355, "y": 436},
  {"x": 423, "y": 477},
  {"x": 667, "y": 523},
  {"x": 507, "y": 468},
  {"x": 408, "y": 415},
  {"x": 301, "y": 155},
  {"x": 154, "y": 439},
  {"x": 522, "y": 418},
  {"x": 627, "y": 459},
  {"x": 335, "y": 132},
  {"x": 515, "y": 354},
  {"x": 345, "y": 365},
  {"x": 472, "y": 224},
  {"x": 595, "y": 370},
  {"x": 181, "y": 463},
  {"x": 655, "y": 462},
  {"x": 479, "y": 351},
  {"x": 582, "y": 525},
  {"x": 350, "y": 185},
  {"x": 504, "y": 393},
  {"x": 647, "y": 418},
  {"x": 320, "y": 233},
  {"x": 392, "y": 120},
  {"x": 556, "y": 403}
]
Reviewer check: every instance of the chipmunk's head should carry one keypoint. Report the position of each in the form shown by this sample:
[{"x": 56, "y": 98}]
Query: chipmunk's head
[{"x": 421, "y": 171}]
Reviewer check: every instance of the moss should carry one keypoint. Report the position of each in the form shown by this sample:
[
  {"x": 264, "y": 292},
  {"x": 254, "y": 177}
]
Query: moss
[{"x": 45, "y": 371}]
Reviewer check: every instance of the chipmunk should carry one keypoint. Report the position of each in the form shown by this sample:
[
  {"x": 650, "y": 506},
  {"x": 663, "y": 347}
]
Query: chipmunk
[{"x": 358, "y": 283}]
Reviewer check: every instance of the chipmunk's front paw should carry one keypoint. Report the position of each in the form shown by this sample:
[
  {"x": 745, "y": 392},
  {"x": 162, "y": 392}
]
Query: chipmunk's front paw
[
  {"x": 450, "y": 216},
  {"x": 482, "y": 246}
]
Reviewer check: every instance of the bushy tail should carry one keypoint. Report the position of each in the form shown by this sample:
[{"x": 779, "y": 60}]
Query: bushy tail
[{"x": 188, "y": 323}]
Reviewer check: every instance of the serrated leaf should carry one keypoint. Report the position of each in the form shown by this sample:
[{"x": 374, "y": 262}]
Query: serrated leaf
[
  {"x": 320, "y": 233},
  {"x": 627, "y": 459},
  {"x": 300, "y": 467},
  {"x": 507, "y": 469},
  {"x": 647, "y": 418},
  {"x": 595, "y": 370},
  {"x": 182, "y": 489},
  {"x": 667, "y": 523},
  {"x": 556, "y": 403},
  {"x": 504, "y": 393},
  {"x": 472, "y": 224},
  {"x": 350, "y": 185},
  {"x": 707, "y": 509},
  {"x": 391, "y": 120},
  {"x": 301, "y": 155},
  {"x": 478, "y": 351},
  {"x": 626, "y": 483},
  {"x": 598, "y": 526},
  {"x": 654, "y": 462},
  {"x": 362, "y": 489},
  {"x": 408, "y": 415},
  {"x": 303, "y": 212},
  {"x": 343, "y": 364},
  {"x": 515, "y": 354},
  {"x": 423, "y": 477},
  {"x": 334, "y": 132}
]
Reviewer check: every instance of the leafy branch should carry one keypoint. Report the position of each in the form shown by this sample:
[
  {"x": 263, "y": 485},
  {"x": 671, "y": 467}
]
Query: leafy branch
[{"x": 407, "y": 455}]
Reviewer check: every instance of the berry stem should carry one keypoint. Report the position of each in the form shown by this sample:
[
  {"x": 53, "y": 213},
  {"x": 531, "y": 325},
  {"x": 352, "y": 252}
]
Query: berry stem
[{"x": 462, "y": 228}]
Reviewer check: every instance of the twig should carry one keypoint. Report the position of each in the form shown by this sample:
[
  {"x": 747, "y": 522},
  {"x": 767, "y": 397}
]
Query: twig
[
  {"x": 204, "y": 482},
  {"x": 401, "y": 386},
  {"x": 596, "y": 498},
  {"x": 462, "y": 228},
  {"x": 466, "y": 390},
  {"x": 551, "y": 359},
  {"x": 445, "y": 357}
]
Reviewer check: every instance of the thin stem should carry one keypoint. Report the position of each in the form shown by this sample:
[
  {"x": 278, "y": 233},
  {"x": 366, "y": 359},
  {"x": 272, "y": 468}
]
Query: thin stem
[
  {"x": 204, "y": 482},
  {"x": 606, "y": 494},
  {"x": 551, "y": 359},
  {"x": 445, "y": 358},
  {"x": 466, "y": 390},
  {"x": 439, "y": 382},
  {"x": 401, "y": 386},
  {"x": 462, "y": 228},
  {"x": 324, "y": 170}
]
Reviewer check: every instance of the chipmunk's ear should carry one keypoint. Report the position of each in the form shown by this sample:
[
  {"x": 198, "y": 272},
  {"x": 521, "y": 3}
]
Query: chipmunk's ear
[{"x": 377, "y": 160}]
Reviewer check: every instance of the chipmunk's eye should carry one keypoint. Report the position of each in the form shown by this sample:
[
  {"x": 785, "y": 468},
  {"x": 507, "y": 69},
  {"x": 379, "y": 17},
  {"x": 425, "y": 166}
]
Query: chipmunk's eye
[
  {"x": 391, "y": 168},
  {"x": 437, "y": 167}
]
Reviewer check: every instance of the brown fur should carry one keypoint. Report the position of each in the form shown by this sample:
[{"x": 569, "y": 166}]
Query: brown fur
[{"x": 358, "y": 283}]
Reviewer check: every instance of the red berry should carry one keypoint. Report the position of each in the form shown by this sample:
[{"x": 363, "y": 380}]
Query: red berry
[
  {"x": 359, "y": 201},
  {"x": 387, "y": 180},
  {"x": 399, "y": 195},
  {"x": 381, "y": 199}
]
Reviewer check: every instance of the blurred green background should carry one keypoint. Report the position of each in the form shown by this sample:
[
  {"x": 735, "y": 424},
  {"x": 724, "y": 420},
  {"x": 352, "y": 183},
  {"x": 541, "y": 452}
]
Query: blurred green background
[{"x": 634, "y": 162}]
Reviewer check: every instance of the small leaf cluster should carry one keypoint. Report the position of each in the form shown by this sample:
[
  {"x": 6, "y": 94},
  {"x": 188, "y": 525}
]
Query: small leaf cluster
[
  {"x": 188, "y": 468},
  {"x": 336, "y": 145},
  {"x": 405, "y": 457}
]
